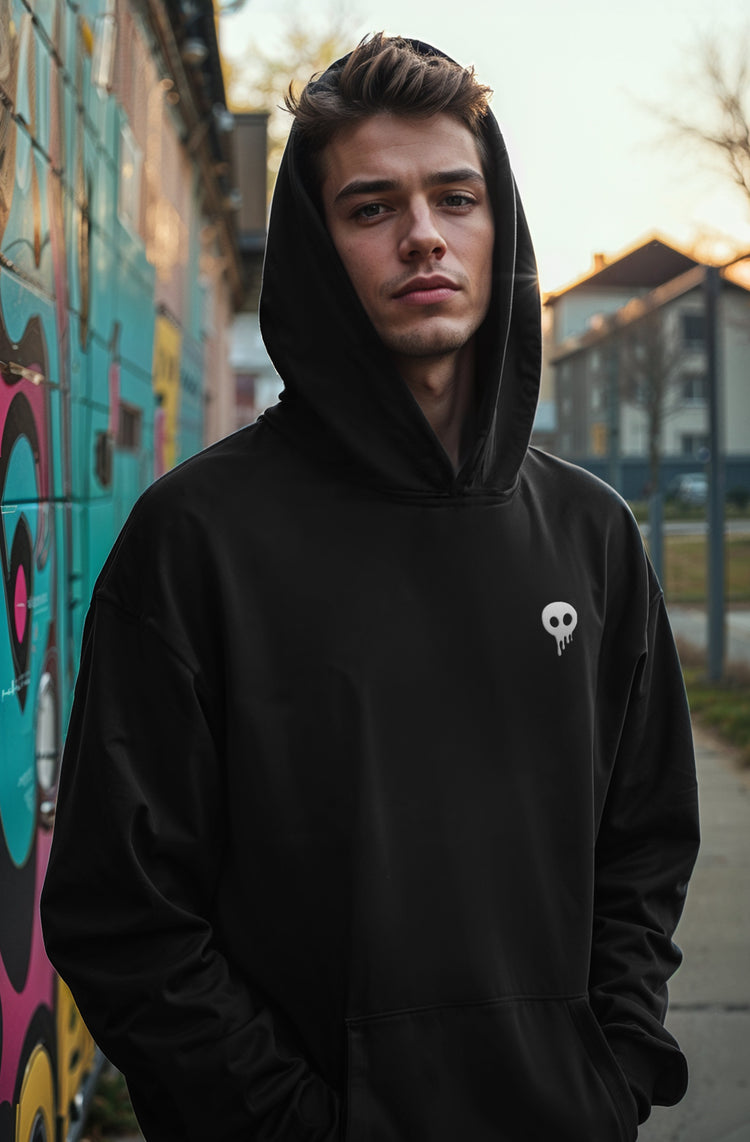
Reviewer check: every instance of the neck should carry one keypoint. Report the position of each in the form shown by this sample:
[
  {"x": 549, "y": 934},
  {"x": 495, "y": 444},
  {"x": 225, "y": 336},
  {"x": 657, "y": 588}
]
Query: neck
[{"x": 443, "y": 387}]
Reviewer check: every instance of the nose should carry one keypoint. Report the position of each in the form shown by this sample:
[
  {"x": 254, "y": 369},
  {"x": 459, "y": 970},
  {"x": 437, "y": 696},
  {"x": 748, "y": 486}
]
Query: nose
[{"x": 421, "y": 237}]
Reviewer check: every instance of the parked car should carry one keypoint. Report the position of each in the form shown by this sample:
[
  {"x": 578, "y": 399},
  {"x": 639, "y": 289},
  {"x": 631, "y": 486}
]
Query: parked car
[{"x": 690, "y": 489}]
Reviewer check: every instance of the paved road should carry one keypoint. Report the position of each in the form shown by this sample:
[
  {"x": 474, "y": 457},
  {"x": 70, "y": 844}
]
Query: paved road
[
  {"x": 699, "y": 527},
  {"x": 710, "y": 995},
  {"x": 690, "y": 625}
]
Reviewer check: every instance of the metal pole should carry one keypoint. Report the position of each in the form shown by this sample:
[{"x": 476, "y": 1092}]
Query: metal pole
[
  {"x": 715, "y": 466},
  {"x": 614, "y": 474},
  {"x": 656, "y": 533}
]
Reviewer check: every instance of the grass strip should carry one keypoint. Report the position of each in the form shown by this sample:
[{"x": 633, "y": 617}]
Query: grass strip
[
  {"x": 685, "y": 562},
  {"x": 721, "y": 706}
]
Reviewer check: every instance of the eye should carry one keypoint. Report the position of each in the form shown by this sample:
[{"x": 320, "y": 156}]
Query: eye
[
  {"x": 369, "y": 210},
  {"x": 459, "y": 198}
]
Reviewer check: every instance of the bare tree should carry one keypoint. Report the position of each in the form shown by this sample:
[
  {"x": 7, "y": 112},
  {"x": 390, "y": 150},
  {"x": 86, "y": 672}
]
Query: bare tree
[
  {"x": 259, "y": 80},
  {"x": 720, "y": 123},
  {"x": 650, "y": 360}
]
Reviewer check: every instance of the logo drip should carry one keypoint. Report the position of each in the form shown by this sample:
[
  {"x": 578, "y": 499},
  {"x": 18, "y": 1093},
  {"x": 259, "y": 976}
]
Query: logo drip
[{"x": 560, "y": 620}]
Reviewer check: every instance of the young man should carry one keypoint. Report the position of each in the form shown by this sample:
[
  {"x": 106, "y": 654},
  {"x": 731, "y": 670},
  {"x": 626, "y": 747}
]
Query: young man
[{"x": 378, "y": 801}]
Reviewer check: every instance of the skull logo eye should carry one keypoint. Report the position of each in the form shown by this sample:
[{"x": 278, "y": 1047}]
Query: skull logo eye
[{"x": 560, "y": 620}]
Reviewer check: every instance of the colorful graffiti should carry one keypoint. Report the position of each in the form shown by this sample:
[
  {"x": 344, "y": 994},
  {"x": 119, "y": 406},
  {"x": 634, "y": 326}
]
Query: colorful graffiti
[
  {"x": 167, "y": 389},
  {"x": 93, "y": 364}
]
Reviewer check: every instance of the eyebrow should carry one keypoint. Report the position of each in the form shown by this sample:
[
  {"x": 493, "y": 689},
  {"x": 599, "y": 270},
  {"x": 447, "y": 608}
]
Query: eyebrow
[{"x": 377, "y": 185}]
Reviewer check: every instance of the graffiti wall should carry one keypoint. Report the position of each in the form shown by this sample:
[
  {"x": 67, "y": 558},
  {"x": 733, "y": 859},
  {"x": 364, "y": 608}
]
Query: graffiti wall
[{"x": 101, "y": 359}]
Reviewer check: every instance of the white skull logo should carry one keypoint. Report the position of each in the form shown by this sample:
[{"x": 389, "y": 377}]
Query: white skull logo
[{"x": 560, "y": 620}]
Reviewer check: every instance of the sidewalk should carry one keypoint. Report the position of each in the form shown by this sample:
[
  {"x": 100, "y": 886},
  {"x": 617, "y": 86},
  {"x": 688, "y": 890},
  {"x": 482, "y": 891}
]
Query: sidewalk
[{"x": 710, "y": 995}]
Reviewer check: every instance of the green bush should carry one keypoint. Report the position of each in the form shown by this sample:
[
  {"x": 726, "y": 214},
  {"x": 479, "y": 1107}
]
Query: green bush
[{"x": 110, "y": 1114}]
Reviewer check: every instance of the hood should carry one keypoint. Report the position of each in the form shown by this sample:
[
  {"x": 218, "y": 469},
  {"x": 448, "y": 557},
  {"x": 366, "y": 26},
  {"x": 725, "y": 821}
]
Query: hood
[{"x": 343, "y": 396}]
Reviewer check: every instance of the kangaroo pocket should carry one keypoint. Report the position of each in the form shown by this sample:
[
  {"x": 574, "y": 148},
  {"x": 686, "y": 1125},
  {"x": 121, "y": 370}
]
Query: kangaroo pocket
[{"x": 533, "y": 1070}]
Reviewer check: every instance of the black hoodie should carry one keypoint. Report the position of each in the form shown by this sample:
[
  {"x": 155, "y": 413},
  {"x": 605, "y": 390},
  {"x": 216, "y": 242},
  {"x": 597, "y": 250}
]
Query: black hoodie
[{"x": 378, "y": 803}]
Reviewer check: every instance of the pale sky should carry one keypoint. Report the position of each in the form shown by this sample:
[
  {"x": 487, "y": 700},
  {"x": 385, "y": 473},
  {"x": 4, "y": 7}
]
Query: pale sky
[{"x": 571, "y": 78}]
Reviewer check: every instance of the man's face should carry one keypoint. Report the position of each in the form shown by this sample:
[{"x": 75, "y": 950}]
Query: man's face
[{"x": 408, "y": 209}]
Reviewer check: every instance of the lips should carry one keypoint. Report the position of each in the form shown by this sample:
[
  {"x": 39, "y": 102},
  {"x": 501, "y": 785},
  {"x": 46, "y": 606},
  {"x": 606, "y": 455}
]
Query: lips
[{"x": 428, "y": 290}]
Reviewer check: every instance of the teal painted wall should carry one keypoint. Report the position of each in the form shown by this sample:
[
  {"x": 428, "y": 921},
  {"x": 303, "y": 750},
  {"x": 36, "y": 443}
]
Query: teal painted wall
[{"x": 79, "y": 436}]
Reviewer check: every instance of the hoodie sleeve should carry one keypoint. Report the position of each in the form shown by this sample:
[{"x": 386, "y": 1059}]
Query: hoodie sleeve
[
  {"x": 646, "y": 848},
  {"x": 127, "y": 905}
]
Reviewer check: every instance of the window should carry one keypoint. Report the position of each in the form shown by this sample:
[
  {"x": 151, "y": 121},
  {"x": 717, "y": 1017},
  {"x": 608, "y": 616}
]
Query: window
[
  {"x": 693, "y": 443},
  {"x": 598, "y": 439},
  {"x": 694, "y": 388},
  {"x": 640, "y": 391},
  {"x": 129, "y": 195},
  {"x": 129, "y": 427},
  {"x": 693, "y": 327}
]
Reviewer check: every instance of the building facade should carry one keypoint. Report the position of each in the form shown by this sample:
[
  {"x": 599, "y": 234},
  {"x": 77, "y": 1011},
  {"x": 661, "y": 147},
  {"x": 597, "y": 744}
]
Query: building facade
[
  {"x": 627, "y": 345},
  {"x": 257, "y": 383},
  {"x": 118, "y": 279}
]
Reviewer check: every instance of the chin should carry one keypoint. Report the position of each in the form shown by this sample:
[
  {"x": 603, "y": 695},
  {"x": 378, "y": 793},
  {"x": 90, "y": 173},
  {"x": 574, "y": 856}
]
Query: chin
[{"x": 421, "y": 343}]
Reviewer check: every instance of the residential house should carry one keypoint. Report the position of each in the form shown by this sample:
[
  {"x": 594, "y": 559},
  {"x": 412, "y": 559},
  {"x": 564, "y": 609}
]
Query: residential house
[{"x": 626, "y": 346}]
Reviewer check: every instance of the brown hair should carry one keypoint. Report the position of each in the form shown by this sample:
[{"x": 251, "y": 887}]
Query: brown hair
[{"x": 386, "y": 73}]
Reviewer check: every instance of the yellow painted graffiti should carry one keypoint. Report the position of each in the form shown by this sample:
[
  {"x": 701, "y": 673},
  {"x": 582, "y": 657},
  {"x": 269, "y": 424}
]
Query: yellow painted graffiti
[
  {"x": 166, "y": 380},
  {"x": 35, "y": 1113}
]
